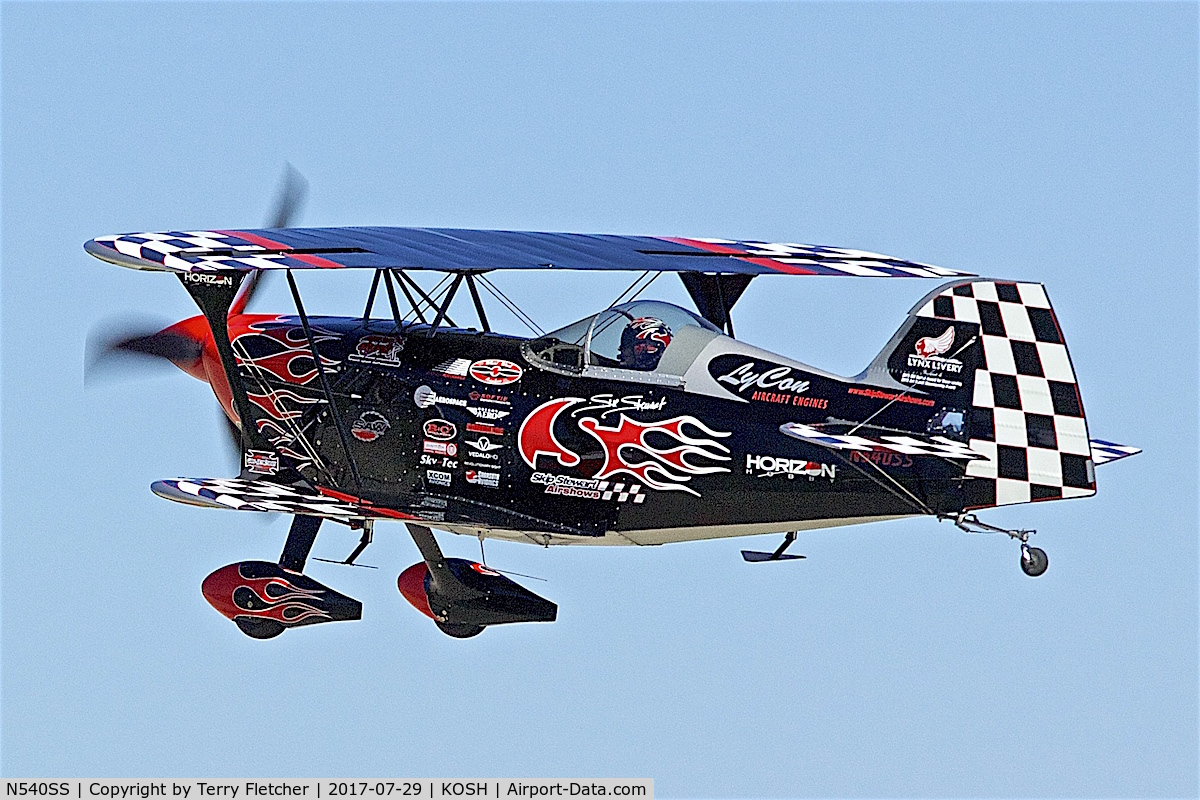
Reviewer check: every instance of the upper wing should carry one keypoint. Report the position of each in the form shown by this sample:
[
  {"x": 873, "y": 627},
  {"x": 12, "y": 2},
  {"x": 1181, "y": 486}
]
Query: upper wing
[{"x": 452, "y": 250}]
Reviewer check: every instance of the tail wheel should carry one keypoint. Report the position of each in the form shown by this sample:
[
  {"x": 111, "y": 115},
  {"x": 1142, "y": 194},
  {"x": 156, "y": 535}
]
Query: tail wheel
[{"x": 1034, "y": 560}]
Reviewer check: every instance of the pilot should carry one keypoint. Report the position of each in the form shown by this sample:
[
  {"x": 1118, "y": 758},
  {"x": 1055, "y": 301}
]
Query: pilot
[{"x": 643, "y": 342}]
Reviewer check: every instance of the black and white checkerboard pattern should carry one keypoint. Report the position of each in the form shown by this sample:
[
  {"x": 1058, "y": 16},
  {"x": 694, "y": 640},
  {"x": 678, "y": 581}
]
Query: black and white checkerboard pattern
[
  {"x": 934, "y": 446},
  {"x": 1027, "y": 417},
  {"x": 837, "y": 260},
  {"x": 243, "y": 495},
  {"x": 622, "y": 492},
  {"x": 185, "y": 251}
]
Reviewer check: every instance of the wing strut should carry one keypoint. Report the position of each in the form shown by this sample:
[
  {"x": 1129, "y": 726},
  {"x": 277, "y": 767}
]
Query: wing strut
[
  {"x": 715, "y": 295},
  {"x": 483, "y": 321},
  {"x": 333, "y": 409}
]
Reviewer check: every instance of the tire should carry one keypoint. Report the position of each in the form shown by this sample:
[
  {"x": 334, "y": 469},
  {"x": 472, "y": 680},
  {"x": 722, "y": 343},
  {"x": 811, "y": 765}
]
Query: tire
[
  {"x": 1034, "y": 561},
  {"x": 259, "y": 628},
  {"x": 460, "y": 631}
]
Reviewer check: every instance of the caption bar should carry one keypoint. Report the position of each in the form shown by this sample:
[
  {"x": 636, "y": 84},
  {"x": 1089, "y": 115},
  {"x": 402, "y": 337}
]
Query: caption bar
[{"x": 430, "y": 788}]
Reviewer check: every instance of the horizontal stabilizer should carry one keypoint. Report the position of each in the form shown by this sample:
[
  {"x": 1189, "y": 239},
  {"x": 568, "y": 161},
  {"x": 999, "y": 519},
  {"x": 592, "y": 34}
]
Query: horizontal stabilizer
[
  {"x": 913, "y": 444},
  {"x": 1104, "y": 452},
  {"x": 754, "y": 556},
  {"x": 259, "y": 495}
]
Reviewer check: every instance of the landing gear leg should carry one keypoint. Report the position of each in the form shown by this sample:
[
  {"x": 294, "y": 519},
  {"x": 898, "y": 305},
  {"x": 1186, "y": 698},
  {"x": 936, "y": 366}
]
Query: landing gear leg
[{"x": 1034, "y": 560}]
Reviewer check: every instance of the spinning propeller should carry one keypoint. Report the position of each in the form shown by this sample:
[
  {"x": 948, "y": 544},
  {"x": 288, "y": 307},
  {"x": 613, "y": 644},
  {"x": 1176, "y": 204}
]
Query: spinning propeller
[{"x": 127, "y": 345}]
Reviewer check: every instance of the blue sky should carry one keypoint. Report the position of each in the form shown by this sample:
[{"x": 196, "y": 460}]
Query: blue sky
[{"x": 1048, "y": 142}]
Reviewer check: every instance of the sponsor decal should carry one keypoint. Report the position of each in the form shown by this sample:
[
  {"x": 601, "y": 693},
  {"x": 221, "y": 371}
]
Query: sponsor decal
[
  {"x": 483, "y": 444},
  {"x": 260, "y": 462},
  {"x": 609, "y": 404},
  {"x": 434, "y": 461},
  {"x": 876, "y": 394},
  {"x": 765, "y": 382},
  {"x": 800, "y": 400},
  {"x": 486, "y": 413},
  {"x": 437, "y": 477},
  {"x": 928, "y": 366},
  {"x": 587, "y": 488},
  {"x": 496, "y": 372},
  {"x": 425, "y": 397},
  {"x": 440, "y": 448},
  {"x": 377, "y": 348},
  {"x": 207, "y": 279},
  {"x": 483, "y": 427},
  {"x": 481, "y": 478},
  {"x": 455, "y": 368},
  {"x": 883, "y": 459},
  {"x": 663, "y": 455},
  {"x": 440, "y": 430},
  {"x": 482, "y": 570},
  {"x": 770, "y": 466},
  {"x": 369, "y": 426},
  {"x": 490, "y": 397}
]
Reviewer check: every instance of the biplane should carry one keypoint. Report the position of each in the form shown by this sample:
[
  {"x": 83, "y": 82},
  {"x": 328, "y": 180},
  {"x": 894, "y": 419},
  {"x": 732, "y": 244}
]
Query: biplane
[{"x": 642, "y": 424}]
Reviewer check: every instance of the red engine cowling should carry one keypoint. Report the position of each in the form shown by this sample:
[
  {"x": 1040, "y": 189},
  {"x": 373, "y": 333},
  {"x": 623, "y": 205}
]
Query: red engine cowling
[
  {"x": 263, "y": 599},
  {"x": 463, "y": 597}
]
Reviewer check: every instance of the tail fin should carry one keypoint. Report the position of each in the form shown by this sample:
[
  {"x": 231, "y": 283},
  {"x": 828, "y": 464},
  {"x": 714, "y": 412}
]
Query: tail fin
[{"x": 995, "y": 349}]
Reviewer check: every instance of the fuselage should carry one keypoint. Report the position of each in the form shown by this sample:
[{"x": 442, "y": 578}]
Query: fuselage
[{"x": 497, "y": 439}]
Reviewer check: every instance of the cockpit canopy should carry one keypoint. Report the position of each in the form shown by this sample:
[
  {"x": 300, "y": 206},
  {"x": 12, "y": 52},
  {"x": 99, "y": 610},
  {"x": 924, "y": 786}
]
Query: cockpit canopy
[{"x": 645, "y": 336}]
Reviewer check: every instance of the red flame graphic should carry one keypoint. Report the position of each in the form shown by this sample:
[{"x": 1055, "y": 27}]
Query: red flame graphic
[
  {"x": 662, "y": 469},
  {"x": 626, "y": 448},
  {"x": 288, "y": 364},
  {"x": 288, "y": 605}
]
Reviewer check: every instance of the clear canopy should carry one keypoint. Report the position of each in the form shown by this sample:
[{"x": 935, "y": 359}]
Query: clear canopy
[{"x": 607, "y": 339}]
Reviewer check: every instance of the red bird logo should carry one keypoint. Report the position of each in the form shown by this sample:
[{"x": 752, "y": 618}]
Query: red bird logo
[{"x": 929, "y": 346}]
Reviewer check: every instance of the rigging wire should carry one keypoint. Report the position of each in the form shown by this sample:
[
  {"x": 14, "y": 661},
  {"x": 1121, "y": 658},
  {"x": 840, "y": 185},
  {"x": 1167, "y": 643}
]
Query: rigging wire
[{"x": 511, "y": 306}]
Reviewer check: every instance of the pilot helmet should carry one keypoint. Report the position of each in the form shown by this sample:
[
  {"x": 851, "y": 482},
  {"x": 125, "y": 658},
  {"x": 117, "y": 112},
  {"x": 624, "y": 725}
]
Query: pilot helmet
[{"x": 643, "y": 342}]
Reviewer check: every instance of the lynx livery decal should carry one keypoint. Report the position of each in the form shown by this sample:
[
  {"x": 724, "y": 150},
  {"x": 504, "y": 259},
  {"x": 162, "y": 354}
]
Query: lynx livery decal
[
  {"x": 933, "y": 362},
  {"x": 626, "y": 447}
]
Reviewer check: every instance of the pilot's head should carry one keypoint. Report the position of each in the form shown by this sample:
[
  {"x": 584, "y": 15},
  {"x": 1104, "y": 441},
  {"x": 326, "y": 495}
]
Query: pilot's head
[{"x": 643, "y": 342}]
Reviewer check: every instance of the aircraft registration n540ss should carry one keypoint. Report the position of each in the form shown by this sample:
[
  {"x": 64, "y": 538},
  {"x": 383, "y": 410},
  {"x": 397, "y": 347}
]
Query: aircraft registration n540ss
[{"x": 643, "y": 424}]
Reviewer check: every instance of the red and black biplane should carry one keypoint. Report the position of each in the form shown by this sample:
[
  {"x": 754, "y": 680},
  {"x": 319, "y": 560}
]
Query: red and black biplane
[{"x": 643, "y": 424}]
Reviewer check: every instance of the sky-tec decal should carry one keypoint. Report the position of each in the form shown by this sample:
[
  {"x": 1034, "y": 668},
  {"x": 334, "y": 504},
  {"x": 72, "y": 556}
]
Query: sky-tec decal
[
  {"x": 378, "y": 349},
  {"x": 627, "y": 448},
  {"x": 369, "y": 426},
  {"x": 770, "y": 466},
  {"x": 496, "y": 371}
]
